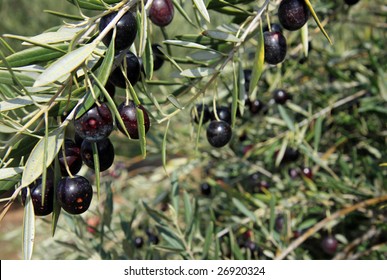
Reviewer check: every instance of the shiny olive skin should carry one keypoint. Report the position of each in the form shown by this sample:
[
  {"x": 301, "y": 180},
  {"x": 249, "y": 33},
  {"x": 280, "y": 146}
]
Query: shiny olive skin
[
  {"x": 329, "y": 245},
  {"x": 198, "y": 111},
  {"x": 219, "y": 133},
  {"x": 224, "y": 114},
  {"x": 36, "y": 190},
  {"x": 128, "y": 113},
  {"x": 280, "y": 96},
  {"x": 73, "y": 158},
  {"x": 161, "y": 12},
  {"x": 74, "y": 194},
  {"x": 293, "y": 14},
  {"x": 105, "y": 150},
  {"x": 133, "y": 68},
  {"x": 275, "y": 47},
  {"x": 95, "y": 124},
  {"x": 126, "y": 30}
]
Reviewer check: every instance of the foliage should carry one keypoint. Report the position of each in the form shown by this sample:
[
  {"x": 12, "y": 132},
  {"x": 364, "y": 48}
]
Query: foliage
[{"x": 335, "y": 120}]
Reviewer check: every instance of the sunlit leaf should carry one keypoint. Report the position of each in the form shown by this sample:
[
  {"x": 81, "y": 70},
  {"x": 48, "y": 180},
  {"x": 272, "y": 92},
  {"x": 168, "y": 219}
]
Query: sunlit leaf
[{"x": 65, "y": 65}]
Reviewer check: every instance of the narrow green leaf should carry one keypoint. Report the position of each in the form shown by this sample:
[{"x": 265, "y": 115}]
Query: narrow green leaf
[
  {"x": 242, "y": 208},
  {"x": 61, "y": 35},
  {"x": 187, "y": 208},
  {"x": 235, "y": 94},
  {"x": 285, "y": 116},
  {"x": 96, "y": 168},
  {"x": 108, "y": 206},
  {"x": 175, "y": 192},
  {"x": 198, "y": 72},
  {"x": 202, "y": 9},
  {"x": 181, "y": 10},
  {"x": 235, "y": 248},
  {"x": 143, "y": 30},
  {"x": 141, "y": 131},
  {"x": 7, "y": 185},
  {"x": 7, "y": 78},
  {"x": 307, "y": 2},
  {"x": 205, "y": 55},
  {"x": 171, "y": 238},
  {"x": 64, "y": 15},
  {"x": 185, "y": 44},
  {"x": 102, "y": 77},
  {"x": 281, "y": 152},
  {"x": 23, "y": 101},
  {"x": 272, "y": 213},
  {"x": 35, "y": 163},
  {"x": 259, "y": 61},
  {"x": 28, "y": 227},
  {"x": 317, "y": 133},
  {"x": 164, "y": 147},
  {"x": 220, "y": 35},
  {"x": 208, "y": 241},
  {"x": 157, "y": 216},
  {"x": 305, "y": 39},
  {"x": 35, "y": 55},
  {"x": 148, "y": 59},
  {"x": 65, "y": 65},
  {"x": 174, "y": 101},
  {"x": 56, "y": 207},
  {"x": 7, "y": 173}
]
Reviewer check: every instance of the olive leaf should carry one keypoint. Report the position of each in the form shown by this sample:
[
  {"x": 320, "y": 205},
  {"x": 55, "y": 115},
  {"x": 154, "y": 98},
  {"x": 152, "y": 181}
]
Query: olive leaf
[{"x": 65, "y": 65}]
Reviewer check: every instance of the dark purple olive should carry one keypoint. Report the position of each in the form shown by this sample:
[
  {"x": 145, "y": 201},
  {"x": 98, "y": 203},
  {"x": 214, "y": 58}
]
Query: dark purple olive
[
  {"x": 219, "y": 133},
  {"x": 198, "y": 110},
  {"x": 74, "y": 194},
  {"x": 128, "y": 113},
  {"x": 161, "y": 12},
  {"x": 96, "y": 124},
  {"x": 158, "y": 59},
  {"x": 126, "y": 30},
  {"x": 73, "y": 158},
  {"x": 280, "y": 96},
  {"x": 293, "y": 14},
  {"x": 224, "y": 114},
  {"x": 133, "y": 69},
  {"x": 205, "y": 189},
  {"x": 307, "y": 172},
  {"x": 275, "y": 47},
  {"x": 105, "y": 150},
  {"x": 274, "y": 27},
  {"x": 351, "y": 2},
  {"x": 36, "y": 190},
  {"x": 329, "y": 245}
]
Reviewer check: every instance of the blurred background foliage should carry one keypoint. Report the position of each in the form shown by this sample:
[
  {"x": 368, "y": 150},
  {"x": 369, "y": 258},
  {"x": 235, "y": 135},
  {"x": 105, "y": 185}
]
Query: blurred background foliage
[{"x": 243, "y": 218}]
